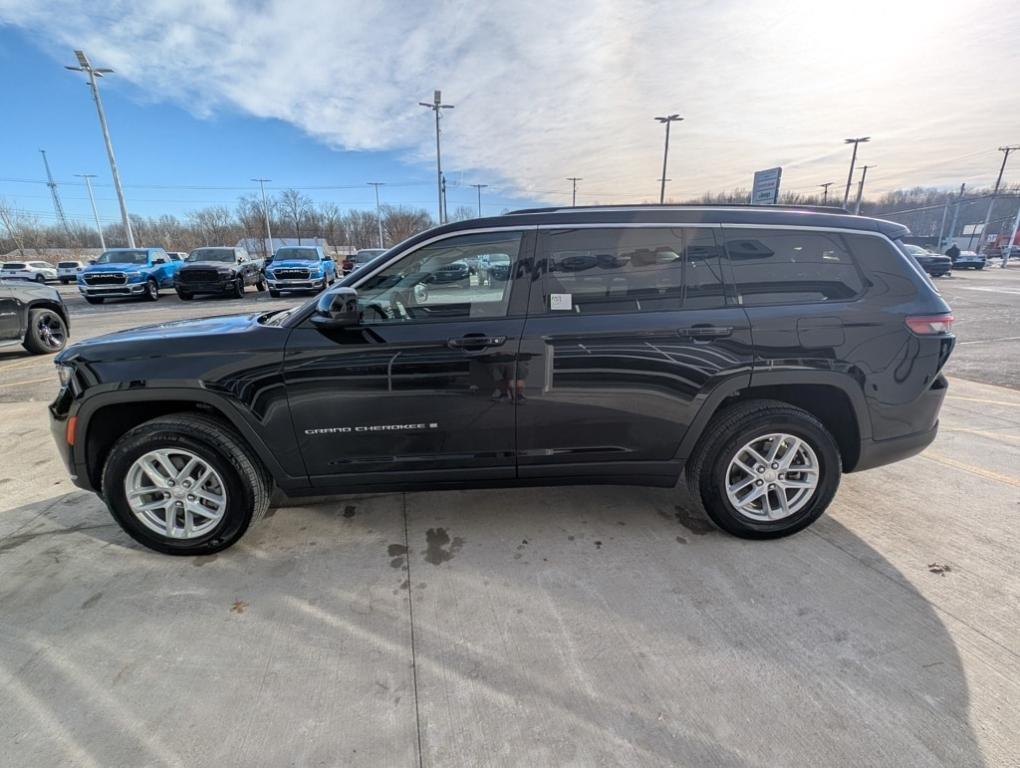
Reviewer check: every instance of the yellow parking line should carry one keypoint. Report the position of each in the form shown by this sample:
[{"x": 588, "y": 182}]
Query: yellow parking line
[
  {"x": 979, "y": 471},
  {"x": 983, "y": 400}
]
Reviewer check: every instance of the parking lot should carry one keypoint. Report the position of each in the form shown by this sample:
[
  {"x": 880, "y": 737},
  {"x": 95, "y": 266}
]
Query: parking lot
[{"x": 587, "y": 626}]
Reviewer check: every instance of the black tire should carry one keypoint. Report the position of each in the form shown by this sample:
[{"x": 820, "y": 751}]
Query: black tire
[
  {"x": 47, "y": 332},
  {"x": 238, "y": 292},
  {"x": 260, "y": 285},
  {"x": 726, "y": 435},
  {"x": 980, "y": 266},
  {"x": 151, "y": 290},
  {"x": 64, "y": 282},
  {"x": 274, "y": 294},
  {"x": 185, "y": 296},
  {"x": 94, "y": 299},
  {"x": 248, "y": 485}
]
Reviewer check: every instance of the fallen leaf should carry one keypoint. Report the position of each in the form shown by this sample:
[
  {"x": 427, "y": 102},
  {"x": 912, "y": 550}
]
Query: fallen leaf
[{"x": 238, "y": 606}]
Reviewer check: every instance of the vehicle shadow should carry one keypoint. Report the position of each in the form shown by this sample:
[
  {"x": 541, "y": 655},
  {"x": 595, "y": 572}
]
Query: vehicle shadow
[{"x": 562, "y": 626}]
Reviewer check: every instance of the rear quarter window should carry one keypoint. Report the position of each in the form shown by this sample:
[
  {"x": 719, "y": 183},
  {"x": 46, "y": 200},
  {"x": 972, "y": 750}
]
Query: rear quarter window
[{"x": 776, "y": 266}]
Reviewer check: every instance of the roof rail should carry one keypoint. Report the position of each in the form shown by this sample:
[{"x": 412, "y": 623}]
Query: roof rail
[{"x": 657, "y": 207}]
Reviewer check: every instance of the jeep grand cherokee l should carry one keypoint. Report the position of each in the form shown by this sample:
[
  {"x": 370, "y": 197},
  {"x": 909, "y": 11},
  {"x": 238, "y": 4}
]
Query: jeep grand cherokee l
[{"x": 756, "y": 353}]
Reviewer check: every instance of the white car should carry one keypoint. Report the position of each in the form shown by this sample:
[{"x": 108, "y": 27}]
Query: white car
[
  {"x": 67, "y": 271},
  {"x": 38, "y": 271}
]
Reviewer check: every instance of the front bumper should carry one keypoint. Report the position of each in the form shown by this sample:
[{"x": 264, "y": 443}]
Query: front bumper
[
  {"x": 127, "y": 289},
  {"x": 210, "y": 286},
  {"x": 312, "y": 284}
]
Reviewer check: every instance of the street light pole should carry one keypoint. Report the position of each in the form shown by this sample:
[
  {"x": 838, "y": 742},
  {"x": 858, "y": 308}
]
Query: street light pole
[
  {"x": 479, "y": 187},
  {"x": 665, "y": 154},
  {"x": 573, "y": 196},
  {"x": 93, "y": 73},
  {"x": 853, "y": 159},
  {"x": 92, "y": 199},
  {"x": 378, "y": 210},
  {"x": 991, "y": 203},
  {"x": 435, "y": 106},
  {"x": 860, "y": 188},
  {"x": 825, "y": 191},
  {"x": 265, "y": 212}
]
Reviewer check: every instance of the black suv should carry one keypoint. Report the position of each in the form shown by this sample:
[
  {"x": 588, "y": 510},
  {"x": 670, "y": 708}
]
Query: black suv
[
  {"x": 757, "y": 353},
  {"x": 32, "y": 315}
]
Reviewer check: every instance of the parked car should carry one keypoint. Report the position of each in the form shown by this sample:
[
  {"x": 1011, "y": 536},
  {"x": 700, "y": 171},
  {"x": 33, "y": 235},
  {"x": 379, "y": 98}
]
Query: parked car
[
  {"x": 32, "y": 315},
  {"x": 36, "y": 271},
  {"x": 361, "y": 258},
  {"x": 934, "y": 264},
  {"x": 218, "y": 270},
  {"x": 127, "y": 272},
  {"x": 299, "y": 268},
  {"x": 177, "y": 255},
  {"x": 969, "y": 260},
  {"x": 455, "y": 273},
  {"x": 778, "y": 349},
  {"x": 67, "y": 271}
]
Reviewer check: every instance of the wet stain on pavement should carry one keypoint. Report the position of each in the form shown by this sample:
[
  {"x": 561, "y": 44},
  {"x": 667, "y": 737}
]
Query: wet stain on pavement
[
  {"x": 396, "y": 550},
  {"x": 350, "y": 510},
  {"x": 440, "y": 548},
  {"x": 696, "y": 525},
  {"x": 91, "y": 601},
  {"x": 681, "y": 540}
]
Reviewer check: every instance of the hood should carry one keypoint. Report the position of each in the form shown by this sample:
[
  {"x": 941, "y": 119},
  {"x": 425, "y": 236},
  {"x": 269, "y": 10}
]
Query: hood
[
  {"x": 224, "y": 265},
  {"x": 115, "y": 267},
  {"x": 294, "y": 263}
]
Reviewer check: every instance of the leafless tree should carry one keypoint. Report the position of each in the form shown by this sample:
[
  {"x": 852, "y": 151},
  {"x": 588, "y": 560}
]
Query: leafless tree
[
  {"x": 296, "y": 208},
  {"x": 400, "y": 223},
  {"x": 11, "y": 220}
]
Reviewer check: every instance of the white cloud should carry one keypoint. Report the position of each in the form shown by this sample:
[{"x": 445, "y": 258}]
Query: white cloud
[{"x": 545, "y": 90}]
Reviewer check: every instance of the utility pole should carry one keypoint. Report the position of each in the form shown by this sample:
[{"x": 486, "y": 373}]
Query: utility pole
[
  {"x": 573, "y": 195},
  {"x": 860, "y": 188},
  {"x": 93, "y": 73},
  {"x": 1012, "y": 238},
  {"x": 825, "y": 191},
  {"x": 665, "y": 154},
  {"x": 435, "y": 106},
  {"x": 265, "y": 212},
  {"x": 991, "y": 203},
  {"x": 56, "y": 196},
  {"x": 956, "y": 212},
  {"x": 442, "y": 198},
  {"x": 378, "y": 210},
  {"x": 853, "y": 159},
  {"x": 942, "y": 226},
  {"x": 92, "y": 199},
  {"x": 479, "y": 188}
]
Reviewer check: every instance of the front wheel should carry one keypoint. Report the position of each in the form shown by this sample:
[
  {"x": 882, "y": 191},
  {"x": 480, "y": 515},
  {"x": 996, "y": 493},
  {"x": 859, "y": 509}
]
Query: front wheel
[
  {"x": 41, "y": 279},
  {"x": 184, "y": 484},
  {"x": 238, "y": 291},
  {"x": 765, "y": 469},
  {"x": 47, "y": 332},
  {"x": 185, "y": 296},
  {"x": 260, "y": 285},
  {"x": 151, "y": 290},
  {"x": 980, "y": 266},
  {"x": 274, "y": 294}
]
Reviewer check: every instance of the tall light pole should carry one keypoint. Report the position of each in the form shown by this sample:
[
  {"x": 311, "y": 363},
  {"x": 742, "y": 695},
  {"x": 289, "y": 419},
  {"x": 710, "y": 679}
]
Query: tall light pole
[
  {"x": 436, "y": 105},
  {"x": 93, "y": 73},
  {"x": 479, "y": 188},
  {"x": 860, "y": 188},
  {"x": 92, "y": 199},
  {"x": 665, "y": 154},
  {"x": 825, "y": 191},
  {"x": 853, "y": 159},
  {"x": 265, "y": 212},
  {"x": 573, "y": 195},
  {"x": 378, "y": 210},
  {"x": 991, "y": 203}
]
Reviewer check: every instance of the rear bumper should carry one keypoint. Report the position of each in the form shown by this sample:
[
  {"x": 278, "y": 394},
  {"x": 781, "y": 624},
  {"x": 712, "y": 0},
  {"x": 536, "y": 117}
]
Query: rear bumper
[
  {"x": 921, "y": 417},
  {"x": 876, "y": 453}
]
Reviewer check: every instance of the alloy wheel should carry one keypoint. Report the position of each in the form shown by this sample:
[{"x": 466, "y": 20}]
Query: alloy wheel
[
  {"x": 772, "y": 477},
  {"x": 175, "y": 493}
]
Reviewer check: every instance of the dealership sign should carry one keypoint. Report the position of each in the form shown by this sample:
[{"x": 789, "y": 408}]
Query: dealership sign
[{"x": 765, "y": 190}]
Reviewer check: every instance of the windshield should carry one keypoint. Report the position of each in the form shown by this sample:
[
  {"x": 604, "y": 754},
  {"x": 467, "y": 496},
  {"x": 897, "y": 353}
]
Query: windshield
[
  {"x": 123, "y": 257},
  {"x": 365, "y": 256},
  {"x": 14, "y": 265},
  {"x": 67, "y": 264},
  {"x": 299, "y": 254},
  {"x": 212, "y": 254}
]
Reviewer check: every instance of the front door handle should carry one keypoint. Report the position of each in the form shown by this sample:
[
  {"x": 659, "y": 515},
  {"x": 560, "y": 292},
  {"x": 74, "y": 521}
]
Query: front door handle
[
  {"x": 706, "y": 332},
  {"x": 473, "y": 342}
]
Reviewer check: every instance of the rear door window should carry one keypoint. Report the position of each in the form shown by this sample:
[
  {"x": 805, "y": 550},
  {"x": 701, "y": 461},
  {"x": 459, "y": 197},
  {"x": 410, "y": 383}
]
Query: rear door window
[
  {"x": 776, "y": 266},
  {"x": 629, "y": 269}
]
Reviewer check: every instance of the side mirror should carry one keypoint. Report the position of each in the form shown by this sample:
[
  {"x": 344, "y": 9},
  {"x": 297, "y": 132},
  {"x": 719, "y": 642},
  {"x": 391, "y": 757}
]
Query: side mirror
[
  {"x": 92, "y": 261},
  {"x": 159, "y": 261},
  {"x": 337, "y": 309}
]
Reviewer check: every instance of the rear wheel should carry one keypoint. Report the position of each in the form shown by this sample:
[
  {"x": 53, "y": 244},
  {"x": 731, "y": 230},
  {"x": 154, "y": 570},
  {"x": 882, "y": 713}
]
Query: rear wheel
[
  {"x": 184, "y": 484},
  {"x": 765, "y": 469},
  {"x": 47, "y": 332},
  {"x": 151, "y": 290}
]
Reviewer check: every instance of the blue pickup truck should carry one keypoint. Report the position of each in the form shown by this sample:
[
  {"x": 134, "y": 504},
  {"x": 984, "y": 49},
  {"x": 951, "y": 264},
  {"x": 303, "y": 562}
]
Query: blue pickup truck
[
  {"x": 128, "y": 273},
  {"x": 299, "y": 268}
]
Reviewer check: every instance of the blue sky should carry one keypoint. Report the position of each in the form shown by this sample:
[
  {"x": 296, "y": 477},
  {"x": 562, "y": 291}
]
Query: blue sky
[{"x": 319, "y": 93}]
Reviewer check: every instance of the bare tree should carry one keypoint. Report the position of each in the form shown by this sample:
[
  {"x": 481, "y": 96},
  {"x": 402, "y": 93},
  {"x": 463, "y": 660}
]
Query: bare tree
[
  {"x": 216, "y": 225},
  {"x": 296, "y": 208},
  {"x": 361, "y": 229},
  {"x": 11, "y": 220},
  {"x": 463, "y": 213},
  {"x": 400, "y": 223},
  {"x": 331, "y": 224}
]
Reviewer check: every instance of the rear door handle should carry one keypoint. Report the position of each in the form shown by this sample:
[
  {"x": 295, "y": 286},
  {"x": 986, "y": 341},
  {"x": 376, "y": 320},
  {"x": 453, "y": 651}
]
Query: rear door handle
[
  {"x": 472, "y": 342},
  {"x": 706, "y": 332}
]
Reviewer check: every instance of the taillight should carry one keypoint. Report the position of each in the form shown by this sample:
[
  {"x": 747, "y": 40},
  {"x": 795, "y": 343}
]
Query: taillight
[{"x": 930, "y": 325}]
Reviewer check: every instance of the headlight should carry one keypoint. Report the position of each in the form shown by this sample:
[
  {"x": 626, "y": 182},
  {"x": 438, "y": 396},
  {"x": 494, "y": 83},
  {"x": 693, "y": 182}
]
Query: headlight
[
  {"x": 135, "y": 277},
  {"x": 65, "y": 373}
]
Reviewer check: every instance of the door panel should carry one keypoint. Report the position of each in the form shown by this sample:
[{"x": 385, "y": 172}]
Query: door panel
[
  {"x": 10, "y": 324},
  {"x": 620, "y": 375},
  {"x": 426, "y": 384}
]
